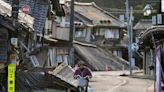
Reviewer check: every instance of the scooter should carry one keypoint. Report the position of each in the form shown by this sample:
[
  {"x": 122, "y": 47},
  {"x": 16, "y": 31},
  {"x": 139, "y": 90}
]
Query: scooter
[{"x": 82, "y": 83}]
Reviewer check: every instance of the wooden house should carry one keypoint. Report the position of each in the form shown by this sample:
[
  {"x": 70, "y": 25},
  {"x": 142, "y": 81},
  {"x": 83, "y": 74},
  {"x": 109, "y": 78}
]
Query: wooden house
[{"x": 97, "y": 26}]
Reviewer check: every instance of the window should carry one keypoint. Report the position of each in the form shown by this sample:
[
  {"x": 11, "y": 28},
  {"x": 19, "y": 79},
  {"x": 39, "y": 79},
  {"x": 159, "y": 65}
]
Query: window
[
  {"x": 80, "y": 32},
  {"x": 34, "y": 61},
  {"x": 102, "y": 32},
  {"x": 48, "y": 26},
  {"x": 111, "y": 33},
  {"x": 97, "y": 32},
  {"x": 117, "y": 53},
  {"x": 51, "y": 58},
  {"x": 107, "y": 32},
  {"x": 62, "y": 55}
]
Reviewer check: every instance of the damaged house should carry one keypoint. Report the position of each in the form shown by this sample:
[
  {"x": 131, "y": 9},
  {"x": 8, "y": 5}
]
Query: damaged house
[
  {"x": 98, "y": 38},
  {"x": 37, "y": 50}
]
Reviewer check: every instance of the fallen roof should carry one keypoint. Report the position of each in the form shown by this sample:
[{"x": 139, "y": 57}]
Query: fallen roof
[
  {"x": 96, "y": 59},
  {"x": 65, "y": 72},
  {"x": 40, "y": 80},
  {"x": 92, "y": 12}
]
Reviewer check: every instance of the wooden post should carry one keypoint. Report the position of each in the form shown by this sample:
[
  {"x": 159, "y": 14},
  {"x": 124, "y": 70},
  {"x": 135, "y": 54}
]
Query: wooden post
[{"x": 144, "y": 61}]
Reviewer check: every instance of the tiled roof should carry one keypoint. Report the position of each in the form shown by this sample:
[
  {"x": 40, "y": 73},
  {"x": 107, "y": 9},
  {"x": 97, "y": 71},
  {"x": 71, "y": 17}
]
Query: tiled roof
[
  {"x": 27, "y": 80},
  {"x": 92, "y": 12},
  {"x": 38, "y": 11},
  {"x": 39, "y": 80},
  {"x": 35, "y": 20},
  {"x": 5, "y": 9},
  {"x": 143, "y": 24}
]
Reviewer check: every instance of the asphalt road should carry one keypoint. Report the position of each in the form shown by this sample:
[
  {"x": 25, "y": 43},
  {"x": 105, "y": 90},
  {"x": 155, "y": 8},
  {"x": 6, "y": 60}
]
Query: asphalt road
[{"x": 112, "y": 82}]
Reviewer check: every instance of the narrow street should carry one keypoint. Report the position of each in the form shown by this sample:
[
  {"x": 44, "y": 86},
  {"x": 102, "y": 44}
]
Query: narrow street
[
  {"x": 112, "y": 82},
  {"x": 53, "y": 45}
]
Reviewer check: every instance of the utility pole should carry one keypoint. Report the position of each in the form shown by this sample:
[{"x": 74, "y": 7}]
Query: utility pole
[
  {"x": 15, "y": 10},
  {"x": 14, "y": 45},
  {"x": 71, "y": 34},
  {"x": 130, "y": 35}
]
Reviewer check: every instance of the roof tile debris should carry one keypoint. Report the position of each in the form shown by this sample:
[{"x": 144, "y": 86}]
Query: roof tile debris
[{"x": 95, "y": 59}]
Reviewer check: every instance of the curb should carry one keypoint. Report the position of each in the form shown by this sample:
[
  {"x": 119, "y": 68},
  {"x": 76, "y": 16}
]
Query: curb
[{"x": 142, "y": 77}]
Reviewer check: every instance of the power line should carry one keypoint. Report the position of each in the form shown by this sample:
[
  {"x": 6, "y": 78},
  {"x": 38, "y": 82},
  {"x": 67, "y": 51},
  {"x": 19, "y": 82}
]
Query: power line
[{"x": 116, "y": 10}]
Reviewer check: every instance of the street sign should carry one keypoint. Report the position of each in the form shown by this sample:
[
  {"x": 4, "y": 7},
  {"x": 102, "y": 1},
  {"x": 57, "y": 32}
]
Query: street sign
[
  {"x": 14, "y": 41},
  {"x": 11, "y": 78},
  {"x": 26, "y": 9}
]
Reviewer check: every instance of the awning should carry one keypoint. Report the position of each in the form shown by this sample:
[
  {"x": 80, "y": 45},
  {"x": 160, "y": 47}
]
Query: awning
[{"x": 146, "y": 38}]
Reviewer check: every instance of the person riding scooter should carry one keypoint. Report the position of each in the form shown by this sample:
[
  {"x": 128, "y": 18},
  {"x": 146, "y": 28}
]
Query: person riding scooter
[{"x": 82, "y": 74}]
